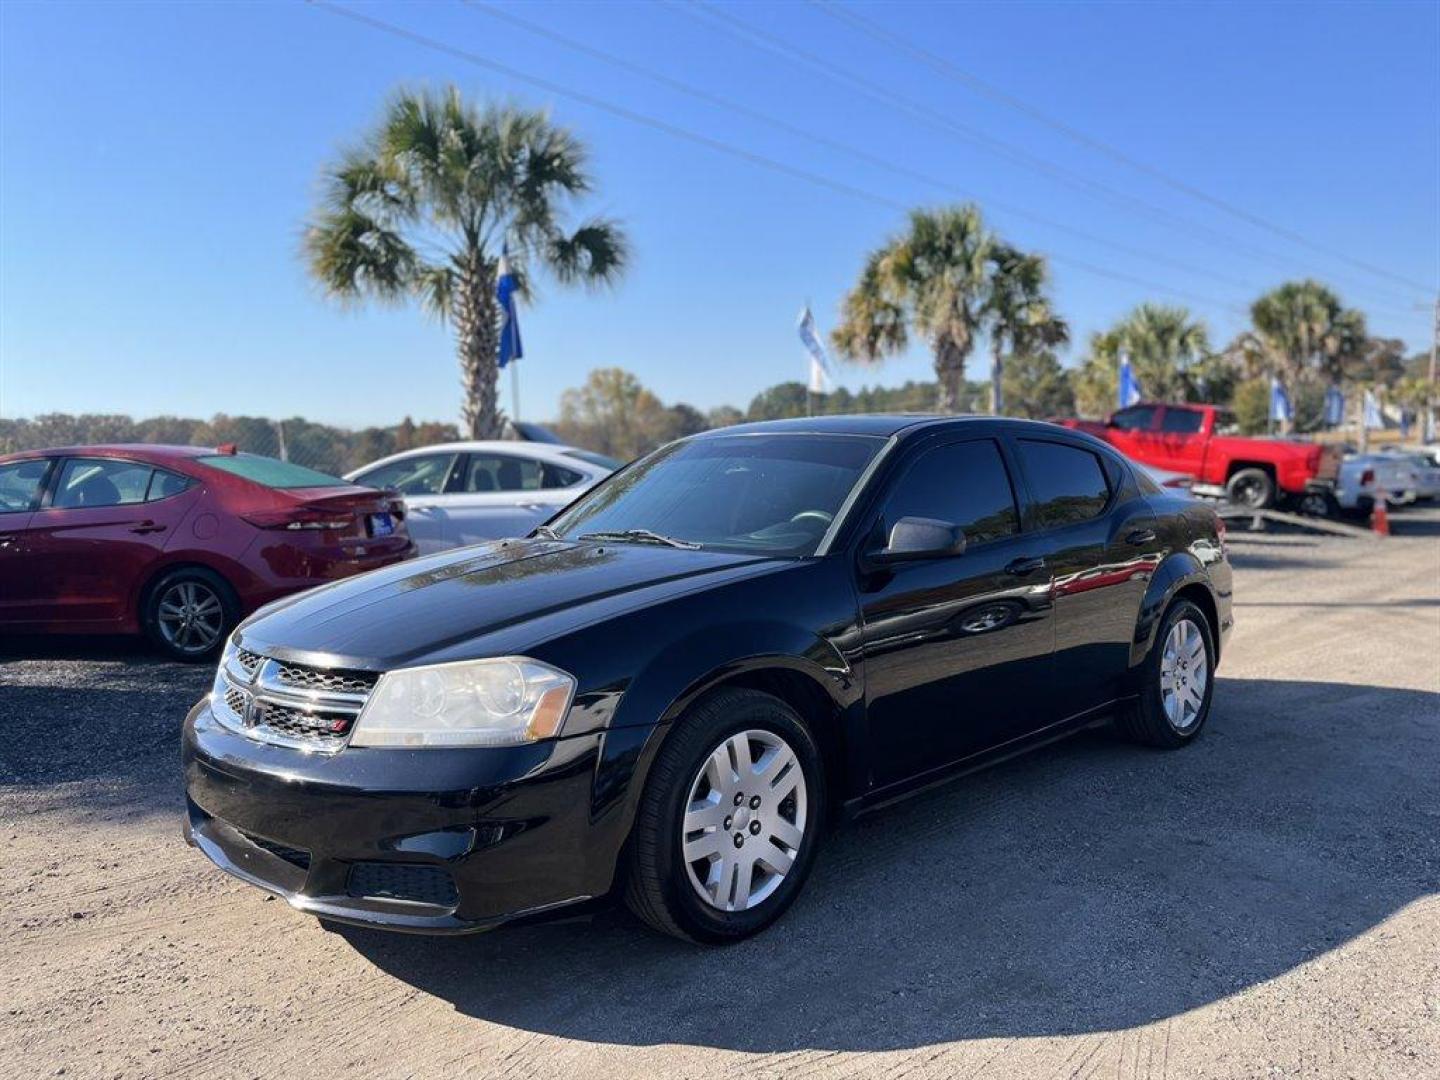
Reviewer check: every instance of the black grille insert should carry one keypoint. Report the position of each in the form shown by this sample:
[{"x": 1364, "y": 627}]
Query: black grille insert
[
  {"x": 403, "y": 881},
  {"x": 248, "y": 661},
  {"x": 294, "y": 856},
  {"x": 341, "y": 682},
  {"x": 299, "y": 724}
]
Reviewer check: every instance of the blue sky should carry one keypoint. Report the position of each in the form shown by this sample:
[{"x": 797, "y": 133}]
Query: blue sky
[{"x": 158, "y": 161}]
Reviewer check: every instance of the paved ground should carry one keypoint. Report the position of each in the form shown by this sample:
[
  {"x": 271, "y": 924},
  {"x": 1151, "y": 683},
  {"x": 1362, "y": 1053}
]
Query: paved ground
[{"x": 1263, "y": 904}]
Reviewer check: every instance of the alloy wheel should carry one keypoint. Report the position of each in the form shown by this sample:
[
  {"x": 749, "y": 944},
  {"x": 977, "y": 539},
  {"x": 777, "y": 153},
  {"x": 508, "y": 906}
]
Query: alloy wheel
[
  {"x": 744, "y": 820},
  {"x": 1184, "y": 675},
  {"x": 190, "y": 616}
]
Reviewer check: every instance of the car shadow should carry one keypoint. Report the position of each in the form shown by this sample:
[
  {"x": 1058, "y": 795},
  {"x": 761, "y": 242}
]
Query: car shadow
[{"x": 1087, "y": 887}]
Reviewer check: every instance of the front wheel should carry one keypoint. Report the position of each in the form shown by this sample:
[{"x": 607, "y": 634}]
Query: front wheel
[
  {"x": 729, "y": 821},
  {"x": 1177, "y": 681}
]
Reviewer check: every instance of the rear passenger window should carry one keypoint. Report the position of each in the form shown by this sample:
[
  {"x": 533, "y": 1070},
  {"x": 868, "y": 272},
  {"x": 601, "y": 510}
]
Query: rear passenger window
[
  {"x": 1068, "y": 482},
  {"x": 965, "y": 484},
  {"x": 1181, "y": 421},
  {"x": 100, "y": 482}
]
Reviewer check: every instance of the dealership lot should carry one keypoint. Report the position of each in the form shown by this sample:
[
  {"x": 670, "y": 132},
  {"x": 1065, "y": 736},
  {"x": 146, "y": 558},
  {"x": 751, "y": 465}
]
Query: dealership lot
[{"x": 1266, "y": 903}]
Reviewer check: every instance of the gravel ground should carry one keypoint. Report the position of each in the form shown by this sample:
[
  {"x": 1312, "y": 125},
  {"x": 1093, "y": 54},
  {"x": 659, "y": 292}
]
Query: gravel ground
[{"x": 1264, "y": 904}]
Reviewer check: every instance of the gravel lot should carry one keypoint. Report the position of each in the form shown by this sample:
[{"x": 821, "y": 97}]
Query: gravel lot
[{"x": 1263, "y": 904}]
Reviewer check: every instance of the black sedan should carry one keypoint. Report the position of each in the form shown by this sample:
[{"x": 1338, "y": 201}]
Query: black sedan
[{"x": 672, "y": 690}]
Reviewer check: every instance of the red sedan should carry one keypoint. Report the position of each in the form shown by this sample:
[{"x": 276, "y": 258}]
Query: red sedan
[{"x": 177, "y": 542}]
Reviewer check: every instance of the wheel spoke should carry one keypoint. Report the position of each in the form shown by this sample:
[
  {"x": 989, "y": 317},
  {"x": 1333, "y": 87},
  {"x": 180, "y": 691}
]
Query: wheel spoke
[
  {"x": 705, "y": 815},
  {"x": 744, "y": 871},
  {"x": 705, "y": 846},
  {"x": 786, "y": 833},
  {"x": 738, "y": 747},
  {"x": 771, "y": 768}
]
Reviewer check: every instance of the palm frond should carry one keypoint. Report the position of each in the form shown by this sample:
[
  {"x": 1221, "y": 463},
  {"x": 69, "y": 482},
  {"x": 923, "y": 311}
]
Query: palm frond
[{"x": 595, "y": 254}]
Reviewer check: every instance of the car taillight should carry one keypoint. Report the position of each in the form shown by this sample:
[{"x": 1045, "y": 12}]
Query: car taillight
[
  {"x": 295, "y": 520},
  {"x": 1367, "y": 478}
]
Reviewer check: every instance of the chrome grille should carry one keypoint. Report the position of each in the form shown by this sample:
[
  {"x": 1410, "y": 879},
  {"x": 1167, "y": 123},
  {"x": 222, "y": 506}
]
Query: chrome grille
[{"x": 297, "y": 705}]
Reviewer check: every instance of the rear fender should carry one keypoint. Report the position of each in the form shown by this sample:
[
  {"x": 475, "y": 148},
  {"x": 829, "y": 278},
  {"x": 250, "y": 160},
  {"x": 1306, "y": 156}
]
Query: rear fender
[{"x": 1179, "y": 570}]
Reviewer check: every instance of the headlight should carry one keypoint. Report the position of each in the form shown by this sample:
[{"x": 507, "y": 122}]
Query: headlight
[{"x": 500, "y": 702}]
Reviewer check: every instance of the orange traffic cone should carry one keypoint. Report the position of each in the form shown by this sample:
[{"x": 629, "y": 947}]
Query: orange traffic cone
[{"x": 1380, "y": 516}]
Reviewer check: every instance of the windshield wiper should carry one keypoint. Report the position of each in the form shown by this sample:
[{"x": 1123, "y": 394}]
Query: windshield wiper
[
  {"x": 642, "y": 536},
  {"x": 545, "y": 532}
]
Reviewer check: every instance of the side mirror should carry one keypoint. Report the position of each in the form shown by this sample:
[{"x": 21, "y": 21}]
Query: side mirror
[{"x": 914, "y": 538}]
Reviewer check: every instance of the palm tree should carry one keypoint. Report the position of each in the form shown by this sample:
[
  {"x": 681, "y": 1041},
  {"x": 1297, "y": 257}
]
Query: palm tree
[
  {"x": 1302, "y": 324},
  {"x": 1164, "y": 344},
  {"x": 931, "y": 281},
  {"x": 1018, "y": 313},
  {"x": 426, "y": 204}
]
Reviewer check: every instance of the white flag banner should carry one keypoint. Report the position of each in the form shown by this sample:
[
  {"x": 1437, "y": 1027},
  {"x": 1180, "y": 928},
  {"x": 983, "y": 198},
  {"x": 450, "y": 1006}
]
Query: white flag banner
[{"x": 815, "y": 350}]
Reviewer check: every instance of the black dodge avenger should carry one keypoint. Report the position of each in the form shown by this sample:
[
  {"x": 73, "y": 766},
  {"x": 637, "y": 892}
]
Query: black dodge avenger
[{"x": 672, "y": 690}]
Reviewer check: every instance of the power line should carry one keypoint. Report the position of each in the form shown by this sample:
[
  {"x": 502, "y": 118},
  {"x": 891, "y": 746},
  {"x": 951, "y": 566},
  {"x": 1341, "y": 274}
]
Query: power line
[
  {"x": 851, "y": 150},
  {"x": 994, "y": 93},
  {"x": 757, "y": 37},
  {"x": 707, "y": 141}
]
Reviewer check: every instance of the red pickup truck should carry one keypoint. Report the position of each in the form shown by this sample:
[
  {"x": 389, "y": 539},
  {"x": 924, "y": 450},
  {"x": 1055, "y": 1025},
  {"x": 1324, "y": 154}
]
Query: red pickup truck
[{"x": 1198, "y": 440}]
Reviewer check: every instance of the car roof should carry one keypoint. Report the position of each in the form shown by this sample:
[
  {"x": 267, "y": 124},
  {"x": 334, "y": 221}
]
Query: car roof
[
  {"x": 558, "y": 452},
  {"x": 150, "y": 452},
  {"x": 882, "y": 425}
]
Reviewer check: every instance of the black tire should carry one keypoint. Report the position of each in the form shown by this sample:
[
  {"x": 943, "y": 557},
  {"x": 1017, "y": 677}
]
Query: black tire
[
  {"x": 1145, "y": 720},
  {"x": 203, "y": 584},
  {"x": 1319, "y": 504},
  {"x": 1251, "y": 488},
  {"x": 658, "y": 887}
]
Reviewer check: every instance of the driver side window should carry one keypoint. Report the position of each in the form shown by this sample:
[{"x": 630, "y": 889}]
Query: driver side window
[
  {"x": 1135, "y": 418},
  {"x": 965, "y": 484}
]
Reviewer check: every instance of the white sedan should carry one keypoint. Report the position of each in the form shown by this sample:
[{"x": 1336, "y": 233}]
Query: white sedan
[{"x": 466, "y": 492}]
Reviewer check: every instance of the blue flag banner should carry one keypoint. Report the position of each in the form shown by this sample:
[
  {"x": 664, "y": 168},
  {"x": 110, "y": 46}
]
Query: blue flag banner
[
  {"x": 1130, "y": 391},
  {"x": 815, "y": 349},
  {"x": 1334, "y": 406},
  {"x": 1279, "y": 401},
  {"x": 505, "y": 289},
  {"x": 1373, "y": 419}
]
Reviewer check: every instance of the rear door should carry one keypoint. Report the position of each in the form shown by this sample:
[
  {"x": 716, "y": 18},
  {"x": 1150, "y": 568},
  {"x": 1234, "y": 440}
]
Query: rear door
[
  {"x": 499, "y": 495},
  {"x": 21, "y": 486},
  {"x": 1098, "y": 536},
  {"x": 957, "y": 650},
  {"x": 98, "y": 532}
]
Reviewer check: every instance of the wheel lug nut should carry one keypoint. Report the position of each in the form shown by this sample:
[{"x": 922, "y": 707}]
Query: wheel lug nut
[
  {"x": 739, "y": 839},
  {"x": 728, "y": 821},
  {"x": 739, "y": 797},
  {"x": 755, "y": 802},
  {"x": 754, "y": 828}
]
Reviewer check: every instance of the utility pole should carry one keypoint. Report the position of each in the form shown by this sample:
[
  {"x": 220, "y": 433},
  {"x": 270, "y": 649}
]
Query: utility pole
[{"x": 1429, "y": 433}]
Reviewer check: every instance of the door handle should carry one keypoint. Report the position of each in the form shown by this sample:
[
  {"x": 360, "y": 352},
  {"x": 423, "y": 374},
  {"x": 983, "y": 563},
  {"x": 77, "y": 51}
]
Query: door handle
[
  {"x": 1140, "y": 536},
  {"x": 1022, "y": 566},
  {"x": 148, "y": 527}
]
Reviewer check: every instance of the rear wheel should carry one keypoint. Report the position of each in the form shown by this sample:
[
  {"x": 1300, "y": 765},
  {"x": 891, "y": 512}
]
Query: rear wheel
[
  {"x": 1177, "y": 681},
  {"x": 1251, "y": 488},
  {"x": 729, "y": 821},
  {"x": 189, "y": 611}
]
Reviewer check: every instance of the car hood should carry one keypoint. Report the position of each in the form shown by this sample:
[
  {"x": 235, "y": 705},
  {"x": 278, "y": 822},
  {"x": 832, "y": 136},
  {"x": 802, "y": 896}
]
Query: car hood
[{"x": 405, "y": 613}]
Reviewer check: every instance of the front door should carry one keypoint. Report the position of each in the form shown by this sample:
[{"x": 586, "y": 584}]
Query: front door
[
  {"x": 957, "y": 650},
  {"x": 21, "y": 483}
]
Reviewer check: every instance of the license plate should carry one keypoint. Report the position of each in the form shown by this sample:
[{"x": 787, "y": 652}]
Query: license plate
[{"x": 381, "y": 525}]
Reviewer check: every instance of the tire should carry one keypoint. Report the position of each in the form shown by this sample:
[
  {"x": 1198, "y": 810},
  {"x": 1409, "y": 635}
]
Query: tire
[
  {"x": 1147, "y": 720},
  {"x": 669, "y": 892},
  {"x": 1251, "y": 488},
  {"x": 213, "y": 610},
  {"x": 1319, "y": 504}
]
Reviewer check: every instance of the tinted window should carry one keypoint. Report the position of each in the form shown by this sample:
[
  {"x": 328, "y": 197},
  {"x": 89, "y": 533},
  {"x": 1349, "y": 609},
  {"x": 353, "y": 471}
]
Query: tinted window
[
  {"x": 100, "y": 482},
  {"x": 164, "y": 484},
  {"x": 776, "y": 494},
  {"x": 270, "y": 472},
  {"x": 595, "y": 459},
  {"x": 1068, "y": 482},
  {"x": 421, "y": 475},
  {"x": 500, "y": 472},
  {"x": 1181, "y": 421},
  {"x": 20, "y": 484},
  {"x": 1135, "y": 418},
  {"x": 965, "y": 484}
]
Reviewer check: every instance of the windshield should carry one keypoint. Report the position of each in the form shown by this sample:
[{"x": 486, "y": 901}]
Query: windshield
[
  {"x": 770, "y": 494},
  {"x": 270, "y": 472}
]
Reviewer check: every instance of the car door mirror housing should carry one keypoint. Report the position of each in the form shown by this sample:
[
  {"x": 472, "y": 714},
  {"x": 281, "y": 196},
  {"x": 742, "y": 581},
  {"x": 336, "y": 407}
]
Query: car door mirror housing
[{"x": 913, "y": 538}]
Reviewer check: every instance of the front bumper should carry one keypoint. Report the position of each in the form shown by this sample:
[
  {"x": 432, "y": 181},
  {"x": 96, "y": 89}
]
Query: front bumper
[{"x": 434, "y": 841}]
